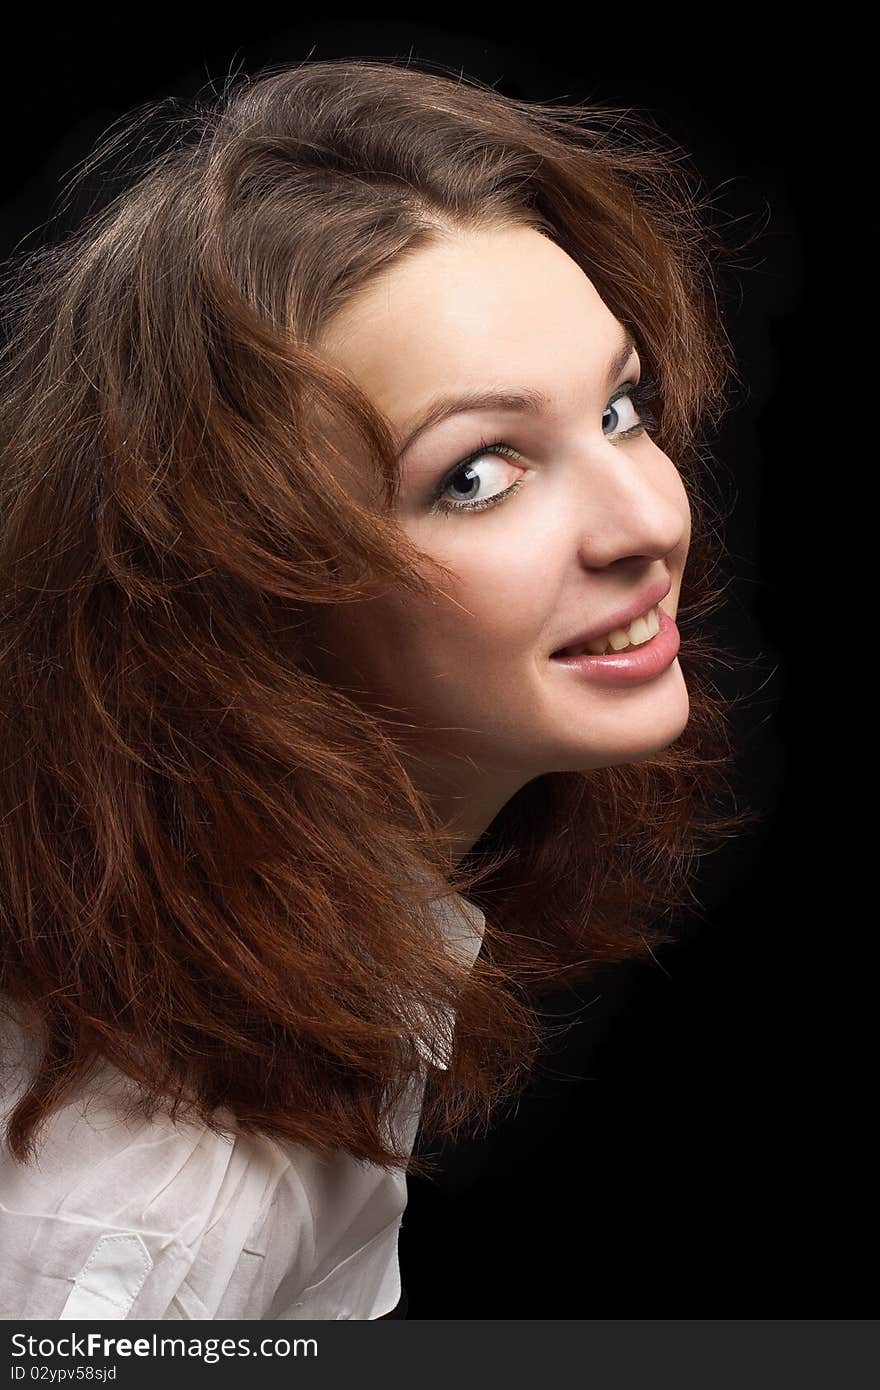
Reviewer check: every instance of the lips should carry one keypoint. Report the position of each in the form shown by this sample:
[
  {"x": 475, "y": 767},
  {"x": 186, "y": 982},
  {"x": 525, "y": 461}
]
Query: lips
[{"x": 620, "y": 618}]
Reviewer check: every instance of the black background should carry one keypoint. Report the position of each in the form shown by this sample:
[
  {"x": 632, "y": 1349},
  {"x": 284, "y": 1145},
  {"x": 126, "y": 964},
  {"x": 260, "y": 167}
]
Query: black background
[{"x": 697, "y": 1146}]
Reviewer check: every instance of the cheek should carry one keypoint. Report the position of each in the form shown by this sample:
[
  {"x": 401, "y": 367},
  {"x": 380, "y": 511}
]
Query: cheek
[
  {"x": 678, "y": 490},
  {"x": 487, "y": 612},
  {"x": 495, "y": 607},
  {"x": 685, "y": 506},
  {"x": 671, "y": 485},
  {"x": 390, "y": 646}
]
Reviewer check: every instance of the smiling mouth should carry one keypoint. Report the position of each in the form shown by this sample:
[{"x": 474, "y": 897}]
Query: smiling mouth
[{"x": 641, "y": 630}]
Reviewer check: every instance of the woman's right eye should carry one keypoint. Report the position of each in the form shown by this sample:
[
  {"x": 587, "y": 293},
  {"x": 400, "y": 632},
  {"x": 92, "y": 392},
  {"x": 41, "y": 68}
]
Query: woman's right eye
[{"x": 464, "y": 477}]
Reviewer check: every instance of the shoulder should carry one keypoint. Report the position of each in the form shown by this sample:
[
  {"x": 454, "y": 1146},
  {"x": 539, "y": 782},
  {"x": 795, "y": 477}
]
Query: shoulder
[{"x": 123, "y": 1216}]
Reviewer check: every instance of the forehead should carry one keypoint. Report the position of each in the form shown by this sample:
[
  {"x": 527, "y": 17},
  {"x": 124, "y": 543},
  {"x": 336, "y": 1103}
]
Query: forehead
[{"x": 499, "y": 306}]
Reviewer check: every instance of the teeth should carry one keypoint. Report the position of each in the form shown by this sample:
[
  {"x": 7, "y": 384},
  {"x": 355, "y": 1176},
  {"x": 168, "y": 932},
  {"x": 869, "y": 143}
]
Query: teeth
[{"x": 640, "y": 630}]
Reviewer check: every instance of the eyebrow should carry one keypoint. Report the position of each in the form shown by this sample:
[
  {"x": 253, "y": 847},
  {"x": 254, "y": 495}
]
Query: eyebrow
[{"x": 532, "y": 402}]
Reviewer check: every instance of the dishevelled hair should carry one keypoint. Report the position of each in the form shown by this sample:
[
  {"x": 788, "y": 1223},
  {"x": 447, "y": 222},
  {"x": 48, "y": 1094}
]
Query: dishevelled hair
[{"x": 215, "y": 873}]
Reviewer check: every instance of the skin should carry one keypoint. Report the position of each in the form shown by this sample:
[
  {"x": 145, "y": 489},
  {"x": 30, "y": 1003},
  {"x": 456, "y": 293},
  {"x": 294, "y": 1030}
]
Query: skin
[{"x": 597, "y": 520}]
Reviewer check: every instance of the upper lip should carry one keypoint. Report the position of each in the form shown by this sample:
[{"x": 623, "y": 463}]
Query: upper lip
[{"x": 621, "y": 617}]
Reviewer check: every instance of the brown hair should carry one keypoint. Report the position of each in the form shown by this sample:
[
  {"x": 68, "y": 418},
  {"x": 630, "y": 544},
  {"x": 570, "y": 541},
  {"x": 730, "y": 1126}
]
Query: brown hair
[{"x": 207, "y": 853}]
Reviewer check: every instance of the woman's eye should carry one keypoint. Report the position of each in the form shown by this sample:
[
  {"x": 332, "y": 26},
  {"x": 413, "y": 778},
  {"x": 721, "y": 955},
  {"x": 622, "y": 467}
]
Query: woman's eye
[
  {"x": 470, "y": 484},
  {"x": 623, "y": 411}
]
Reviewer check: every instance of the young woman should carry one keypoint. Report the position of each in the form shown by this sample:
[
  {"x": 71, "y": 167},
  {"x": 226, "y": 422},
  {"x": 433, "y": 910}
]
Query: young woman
[{"x": 353, "y": 537}]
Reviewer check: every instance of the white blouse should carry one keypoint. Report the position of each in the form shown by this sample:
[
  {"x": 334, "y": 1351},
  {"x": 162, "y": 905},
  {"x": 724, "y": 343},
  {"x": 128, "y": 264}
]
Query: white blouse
[{"x": 143, "y": 1219}]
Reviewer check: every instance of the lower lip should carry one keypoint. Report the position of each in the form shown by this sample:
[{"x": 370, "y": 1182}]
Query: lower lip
[{"x": 631, "y": 667}]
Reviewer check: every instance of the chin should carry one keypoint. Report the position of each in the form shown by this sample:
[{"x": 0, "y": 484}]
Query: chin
[{"x": 633, "y": 745}]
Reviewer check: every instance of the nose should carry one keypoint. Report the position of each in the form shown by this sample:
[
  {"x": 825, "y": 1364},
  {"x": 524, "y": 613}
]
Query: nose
[{"x": 621, "y": 513}]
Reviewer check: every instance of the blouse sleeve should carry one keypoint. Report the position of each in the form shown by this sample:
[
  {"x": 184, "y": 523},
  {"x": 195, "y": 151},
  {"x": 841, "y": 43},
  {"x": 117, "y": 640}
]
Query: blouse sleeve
[{"x": 145, "y": 1219}]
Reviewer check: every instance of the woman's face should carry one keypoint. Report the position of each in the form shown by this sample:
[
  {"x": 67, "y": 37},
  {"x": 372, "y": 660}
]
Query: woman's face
[{"x": 598, "y": 520}]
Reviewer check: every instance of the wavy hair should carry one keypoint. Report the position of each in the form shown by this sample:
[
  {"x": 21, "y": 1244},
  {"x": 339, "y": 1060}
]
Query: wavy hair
[{"x": 215, "y": 872}]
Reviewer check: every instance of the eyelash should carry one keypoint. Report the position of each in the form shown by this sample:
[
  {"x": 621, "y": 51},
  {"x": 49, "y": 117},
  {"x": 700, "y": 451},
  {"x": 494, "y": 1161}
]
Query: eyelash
[{"x": 640, "y": 393}]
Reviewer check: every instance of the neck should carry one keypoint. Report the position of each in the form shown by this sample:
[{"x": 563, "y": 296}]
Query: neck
[{"x": 466, "y": 799}]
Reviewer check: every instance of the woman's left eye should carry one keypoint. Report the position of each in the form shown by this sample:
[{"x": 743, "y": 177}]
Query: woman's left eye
[{"x": 633, "y": 393}]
